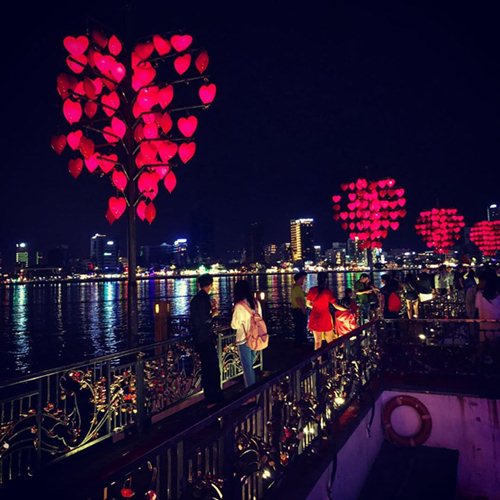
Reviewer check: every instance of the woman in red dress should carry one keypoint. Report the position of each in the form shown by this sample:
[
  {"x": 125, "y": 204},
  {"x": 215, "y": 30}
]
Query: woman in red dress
[{"x": 318, "y": 299}]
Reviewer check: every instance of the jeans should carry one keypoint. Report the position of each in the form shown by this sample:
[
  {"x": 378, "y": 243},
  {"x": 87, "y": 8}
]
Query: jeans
[
  {"x": 300, "y": 325},
  {"x": 247, "y": 357},
  {"x": 364, "y": 310}
]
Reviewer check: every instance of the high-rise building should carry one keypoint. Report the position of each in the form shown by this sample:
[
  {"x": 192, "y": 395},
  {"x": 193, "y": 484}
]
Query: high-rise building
[
  {"x": 181, "y": 252},
  {"x": 271, "y": 254},
  {"x": 156, "y": 256},
  {"x": 285, "y": 252},
  {"x": 201, "y": 238},
  {"x": 493, "y": 212},
  {"x": 254, "y": 248},
  {"x": 22, "y": 255},
  {"x": 301, "y": 231},
  {"x": 104, "y": 253}
]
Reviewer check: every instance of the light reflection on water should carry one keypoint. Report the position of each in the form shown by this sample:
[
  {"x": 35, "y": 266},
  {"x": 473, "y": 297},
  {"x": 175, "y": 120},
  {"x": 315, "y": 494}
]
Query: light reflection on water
[{"x": 48, "y": 325}]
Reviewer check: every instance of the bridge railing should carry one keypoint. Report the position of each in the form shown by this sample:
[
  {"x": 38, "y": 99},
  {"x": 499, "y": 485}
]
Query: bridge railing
[{"x": 53, "y": 414}]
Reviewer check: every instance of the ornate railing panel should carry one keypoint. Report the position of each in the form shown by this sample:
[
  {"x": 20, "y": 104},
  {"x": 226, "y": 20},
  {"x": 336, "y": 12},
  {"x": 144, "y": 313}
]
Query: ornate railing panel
[
  {"x": 241, "y": 451},
  {"x": 57, "y": 413}
]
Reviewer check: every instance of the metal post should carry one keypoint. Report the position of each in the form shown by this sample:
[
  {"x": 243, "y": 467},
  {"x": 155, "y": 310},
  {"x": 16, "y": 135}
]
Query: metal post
[
  {"x": 132, "y": 254},
  {"x": 139, "y": 387}
]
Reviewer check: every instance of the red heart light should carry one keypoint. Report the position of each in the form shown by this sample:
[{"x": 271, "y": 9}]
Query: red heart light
[
  {"x": 76, "y": 46},
  {"x": 182, "y": 63},
  {"x": 143, "y": 75},
  {"x": 181, "y": 42},
  {"x": 148, "y": 151},
  {"x": 118, "y": 72},
  {"x": 147, "y": 97},
  {"x": 141, "y": 209},
  {"x": 336, "y": 198},
  {"x": 150, "y": 213},
  {"x": 167, "y": 150},
  {"x": 86, "y": 147},
  {"x": 99, "y": 38},
  {"x": 108, "y": 162},
  {"x": 109, "y": 135},
  {"x": 114, "y": 45},
  {"x": 144, "y": 50},
  {"x": 165, "y": 96},
  {"x": 75, "y": 167},
  {"x": 170, "y": 181},
  {"x": 76, "y": 63},
  {"x": 187, "y": 126},
  {"x": 58, "y": 143},
  {"x": 161, "y": 45},
  {"x": 110, "y": 103},
  {"x": 117, "y": 206},
  {"x": 166, "y": 123},
  {"x": 146, "y": 183},
  {"x": 65, "y": 83},
  {"x": 90, "y": 109},
  {"x": 187, "y": 151},
  {"x": 110, "y": 217},
  {"x": 72, "y": 111},
  {"x": 119, "y": 180},
  {"x": 201, "y": 62}
]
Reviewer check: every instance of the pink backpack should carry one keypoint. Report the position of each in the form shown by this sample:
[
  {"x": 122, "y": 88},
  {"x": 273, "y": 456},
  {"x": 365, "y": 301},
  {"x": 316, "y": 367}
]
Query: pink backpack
[{"x": 257, "y": 337}]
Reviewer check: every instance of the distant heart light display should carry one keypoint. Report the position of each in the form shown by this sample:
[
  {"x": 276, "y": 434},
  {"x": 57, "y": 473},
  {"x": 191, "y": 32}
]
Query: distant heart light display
[
  {"x": 369, "y": 209},
  {"x": 132, "y": 130},
  {"x": 440, "y": 228},
  {"x": 486, "y": 236}
]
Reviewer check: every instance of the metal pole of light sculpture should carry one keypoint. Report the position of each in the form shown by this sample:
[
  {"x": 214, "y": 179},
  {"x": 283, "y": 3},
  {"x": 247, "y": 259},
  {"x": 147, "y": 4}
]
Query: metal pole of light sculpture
[{"x": 132, "y": 119}]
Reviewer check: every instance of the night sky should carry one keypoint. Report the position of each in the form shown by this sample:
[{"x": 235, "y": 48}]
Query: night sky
[{"x": 306, "y": 100}]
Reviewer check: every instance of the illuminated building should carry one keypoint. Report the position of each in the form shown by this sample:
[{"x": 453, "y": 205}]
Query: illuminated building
[
  {"x": 180, "y": 251},
  {"x": 104, "y": 253},
  {"x": 355, "y": 254},
  {"x": 301, "y": 231},
  {"x": 493, "y": 212},
  {"x": 271, "y": 254},
  {"x": 22, "y": 255}
]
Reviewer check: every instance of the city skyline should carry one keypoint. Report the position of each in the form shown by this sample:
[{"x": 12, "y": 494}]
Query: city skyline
[{"x": 402, "y": 91}]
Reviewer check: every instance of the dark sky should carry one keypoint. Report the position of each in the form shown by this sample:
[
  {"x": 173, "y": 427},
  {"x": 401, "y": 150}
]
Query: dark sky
[{"x": 307, "y": 99}]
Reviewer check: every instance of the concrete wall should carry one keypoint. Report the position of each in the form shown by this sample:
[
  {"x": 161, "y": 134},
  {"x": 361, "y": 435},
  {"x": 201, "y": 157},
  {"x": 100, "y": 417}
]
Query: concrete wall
[
  {"x": 354, "y": 461},
  {"x": 464, "y": 423}
]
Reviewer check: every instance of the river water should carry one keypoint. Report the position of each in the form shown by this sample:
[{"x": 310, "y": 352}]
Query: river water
[{"x": 47, "y": 325}]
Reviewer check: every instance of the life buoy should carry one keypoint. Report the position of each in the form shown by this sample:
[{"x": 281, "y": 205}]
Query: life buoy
[{"x": 425, "y": 421}]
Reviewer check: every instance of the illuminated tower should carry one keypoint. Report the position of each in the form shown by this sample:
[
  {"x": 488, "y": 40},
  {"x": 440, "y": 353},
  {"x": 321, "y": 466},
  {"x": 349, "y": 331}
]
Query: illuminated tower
[
  {"x": 301, "y": 231},
  {"x": 22, "y": 256}
]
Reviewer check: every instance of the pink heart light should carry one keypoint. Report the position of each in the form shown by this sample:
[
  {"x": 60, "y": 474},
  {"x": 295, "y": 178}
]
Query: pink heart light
[
  {"x": 144, "y": 50},
  {"x": 166, "y": 123},
  {"x": 167, "y": 150},
  {"x": 108, "y": 162},
  {"x": 76, "y": 46},
  {"x": 151, "y": 131},
  {"x": 92, "y": 163},
  {"x": 114, "y": 45},
  {"x": 143, "y": 75},
  {"x": 118, "y": 127},
  {"x": 207, "y": 93},
  {"x": 72, "y": 111},
  {"x": 65, "y": 83},
  {"x": 90, "y": 109},
  {"x": 86, "y": 147},
  {"x": 187, "y": 126},
  {"x": 150, "y": 213},
  {"x": 74, "y": 139},
  {"x": 181, "y": 42}
]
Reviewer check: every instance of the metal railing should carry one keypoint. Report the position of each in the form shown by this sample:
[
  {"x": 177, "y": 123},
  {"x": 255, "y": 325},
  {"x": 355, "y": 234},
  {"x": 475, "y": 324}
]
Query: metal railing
[
  {"x": 241, "y": 451},
  {"x": 50, "y": 415}
]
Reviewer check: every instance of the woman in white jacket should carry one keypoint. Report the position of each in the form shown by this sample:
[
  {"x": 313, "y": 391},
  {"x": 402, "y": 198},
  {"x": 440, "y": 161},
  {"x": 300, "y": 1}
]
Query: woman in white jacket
[{"x": 244, "y": 306}]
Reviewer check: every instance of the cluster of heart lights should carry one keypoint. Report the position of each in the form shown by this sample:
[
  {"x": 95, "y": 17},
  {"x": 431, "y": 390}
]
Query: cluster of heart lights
[
  {"x": 486, "y": 236},
  {"x": 113, "y": 118},
  {"x": 440, "y": 228},
  {"x": 371, "y": 209}
]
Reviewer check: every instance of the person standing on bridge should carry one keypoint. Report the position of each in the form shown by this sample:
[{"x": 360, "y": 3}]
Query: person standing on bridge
[
  {"x": 319, "y": 298},
  {"x": 299, "y": 311},
  {"x": 202, "y": 310}
]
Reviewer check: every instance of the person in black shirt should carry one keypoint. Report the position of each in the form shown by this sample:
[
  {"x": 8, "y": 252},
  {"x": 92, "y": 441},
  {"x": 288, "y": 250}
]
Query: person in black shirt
[{"x": 201, "y": 313}]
